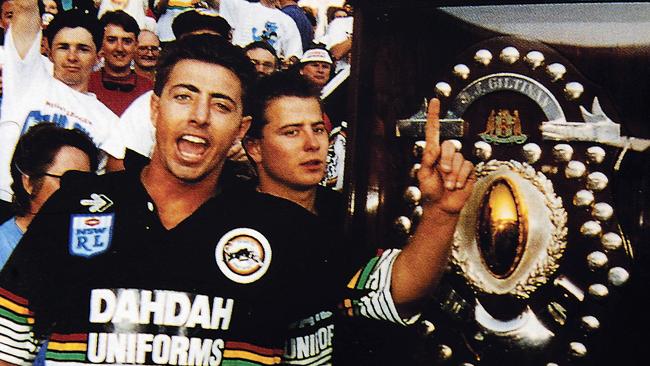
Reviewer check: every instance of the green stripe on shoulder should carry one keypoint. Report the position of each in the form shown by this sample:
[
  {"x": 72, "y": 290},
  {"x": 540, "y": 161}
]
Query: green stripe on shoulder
[
  {"x": 65, "y": 356},
  {"x": 13, "y": 316},
  {"x": 363, "y": 278}
]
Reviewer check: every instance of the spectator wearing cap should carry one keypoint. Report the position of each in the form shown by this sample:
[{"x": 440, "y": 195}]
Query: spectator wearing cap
[
  {"x": 198, "y": 21},
  {"x": 291, "y": 8},
  {"x": 146, "y": 54},
  {"x": 115, "y": 84},
  {"x": 263, "y": 56},
  {"x": 316, "y": 66}
]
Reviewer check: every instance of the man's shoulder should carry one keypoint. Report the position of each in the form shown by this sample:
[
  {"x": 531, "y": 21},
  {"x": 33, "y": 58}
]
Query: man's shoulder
[{"x": 77, "y": 185}]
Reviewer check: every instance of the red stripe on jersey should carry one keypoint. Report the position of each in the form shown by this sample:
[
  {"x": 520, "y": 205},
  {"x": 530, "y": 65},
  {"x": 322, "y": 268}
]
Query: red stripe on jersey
[
  {"x": 76, "y": 337},
  {"x": 13, "y": 297},
  {"x": 253, "y": 348}
]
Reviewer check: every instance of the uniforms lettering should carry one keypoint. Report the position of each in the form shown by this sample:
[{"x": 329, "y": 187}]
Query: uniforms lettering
[{"x": 162, "y": 349}]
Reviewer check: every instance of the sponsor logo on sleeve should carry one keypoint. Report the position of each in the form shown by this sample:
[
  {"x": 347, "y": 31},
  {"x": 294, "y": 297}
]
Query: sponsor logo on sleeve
[
  {"x": 243, "y": 255},
  {"x": 90, "y": 235}
]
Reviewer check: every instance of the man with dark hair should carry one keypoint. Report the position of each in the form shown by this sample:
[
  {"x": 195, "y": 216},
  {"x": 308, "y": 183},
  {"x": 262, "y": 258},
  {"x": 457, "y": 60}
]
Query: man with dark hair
[
  {"x": 33, "y": 93},
  {"x": 116, "y": 84},
  {"x": 154, "y": 240},
  {"x": 263, "y": 56},
  {"x": 288, "y": 142},
  {"x": 41, "y": 157},
  {"x": 137, "y": 130}
]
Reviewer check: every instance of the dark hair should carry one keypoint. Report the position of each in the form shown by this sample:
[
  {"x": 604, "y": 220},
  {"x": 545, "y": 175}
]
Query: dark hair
[
  {"x": 35, "y": 152},
  {"x": 279, "y": 84},
  {"x": 265, "y": 46},
  {"x": 73, "y": 19},
  {"x": 197, "y": 20},
  {"x": 119, "y": 18},
  {"x": 209, "y": 48}
]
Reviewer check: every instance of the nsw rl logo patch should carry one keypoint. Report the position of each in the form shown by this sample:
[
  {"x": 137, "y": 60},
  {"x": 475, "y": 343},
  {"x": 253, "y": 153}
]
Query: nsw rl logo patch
[
  {"x": 90, "y": 234},
  {"x": 243, "y": 255}
]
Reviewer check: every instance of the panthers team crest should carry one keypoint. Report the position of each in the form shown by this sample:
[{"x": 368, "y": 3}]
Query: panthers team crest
[
  {"x": 243, "y": 255},
  {"x": 90, "y": 235}
]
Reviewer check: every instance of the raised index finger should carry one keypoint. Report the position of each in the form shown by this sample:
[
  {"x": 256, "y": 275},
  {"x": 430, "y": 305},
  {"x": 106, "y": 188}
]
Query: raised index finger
[
  {"x": 432, "y": 132},
  {"x": 432, "y": 129}
]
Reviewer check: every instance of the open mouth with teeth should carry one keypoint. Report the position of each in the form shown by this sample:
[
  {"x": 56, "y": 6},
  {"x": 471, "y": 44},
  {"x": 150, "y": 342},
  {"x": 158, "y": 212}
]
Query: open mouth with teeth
[{"x": 192, "y": 148}]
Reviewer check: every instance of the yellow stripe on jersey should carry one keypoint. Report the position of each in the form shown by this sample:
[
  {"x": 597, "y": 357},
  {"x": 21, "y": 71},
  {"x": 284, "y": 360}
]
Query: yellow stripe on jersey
[
  {"x": 68, "y": 346},
  {"x": 245, "y": 355}
]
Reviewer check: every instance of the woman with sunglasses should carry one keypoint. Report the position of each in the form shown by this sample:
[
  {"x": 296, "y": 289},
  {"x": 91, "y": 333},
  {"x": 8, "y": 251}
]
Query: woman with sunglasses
[{"x": 42, "y": 156}]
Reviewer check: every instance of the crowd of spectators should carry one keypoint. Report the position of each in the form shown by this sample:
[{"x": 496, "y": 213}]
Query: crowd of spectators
[{"x": 165, "y": 92}]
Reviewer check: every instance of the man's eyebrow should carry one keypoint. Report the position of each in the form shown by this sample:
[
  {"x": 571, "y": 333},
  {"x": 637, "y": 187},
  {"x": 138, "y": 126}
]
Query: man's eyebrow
[
  {"x": 194, "y": 89},
  {"x": 300, "y": 124}
]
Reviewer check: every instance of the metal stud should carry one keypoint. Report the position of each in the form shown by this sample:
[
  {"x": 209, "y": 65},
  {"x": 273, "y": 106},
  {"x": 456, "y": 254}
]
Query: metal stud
[
  {"x": 577, "y": 349},
  {"x": 597, "y": 260},
  {"x": 552, "y": 364},
  {"x": 483, "y": 57},
  {"x": 429, "y": 327},
  {"x": 575, "y": 169},
  {"x": 462, "y": 71},
  {"x": 403, "y": 225},
  {"x": 416, "y": 168},
  {"x": 590, "y": 228},
  {"x": 509, "y": 55},
  {"x": 602, "y": 211},
  {"x": 583, "y": 198},
  {"x": 549, "y": 169},
  {"x": 532, "y": 152},
  {"x": 444, "y": 352},
  {"x": 443, "y": 89},
  {"x": 558, "y": 312},
  {"x": 597, "y": 181},
  {"x": 562, "y": 153},
  {"x": 417, "y": 212},
  {"x": 418, "y": 148},
  {"x": 611, "y": 241},
  {"x": 598, "y": 290},
  {"x": 556, "y": 71},
  {"x": 595, "y": 155},
  {"x": 466, "y": 364},
  {"x": 573, "y": 90},
  {"x": 534, "y": 58},
  {"x": 618, "y": 276},
  {"x": 412, "y": 195},
  {"x": 482, "y": 150},
  {"x": 590, "y": 323}
]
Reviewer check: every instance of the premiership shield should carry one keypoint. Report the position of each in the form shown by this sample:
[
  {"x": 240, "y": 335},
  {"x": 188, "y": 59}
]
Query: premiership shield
[{"x": 549, "y": 249}]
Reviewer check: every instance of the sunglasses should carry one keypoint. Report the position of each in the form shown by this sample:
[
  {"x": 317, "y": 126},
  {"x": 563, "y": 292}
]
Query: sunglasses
[{"x": 113, "y": 85}]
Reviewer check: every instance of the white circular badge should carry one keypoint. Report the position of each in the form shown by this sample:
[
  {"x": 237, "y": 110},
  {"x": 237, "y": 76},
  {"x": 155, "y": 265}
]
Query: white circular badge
[{"x": 243, "y": 255}]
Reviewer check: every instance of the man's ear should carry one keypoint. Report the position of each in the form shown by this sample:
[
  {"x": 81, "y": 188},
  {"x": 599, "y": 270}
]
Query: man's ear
[
  {"x": 154, "y": 104},
  {"x": 27, "y": 184},
  {"x": 253, "y": 149},
  {"x": 244, "y": 126}
]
